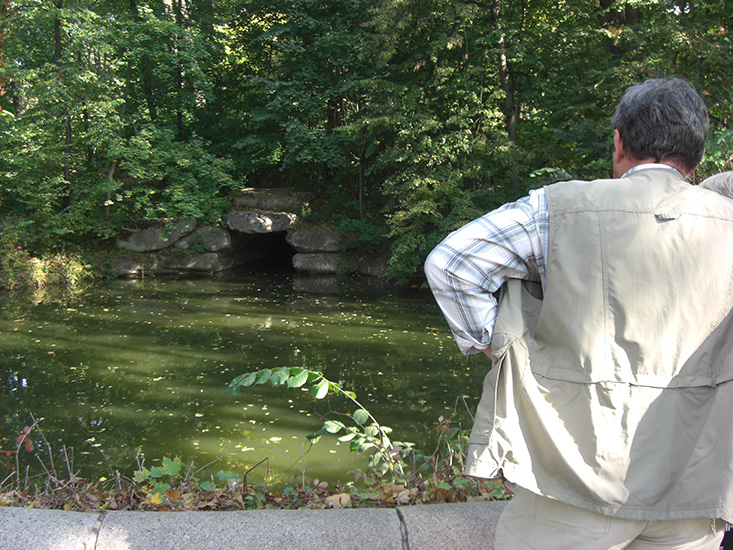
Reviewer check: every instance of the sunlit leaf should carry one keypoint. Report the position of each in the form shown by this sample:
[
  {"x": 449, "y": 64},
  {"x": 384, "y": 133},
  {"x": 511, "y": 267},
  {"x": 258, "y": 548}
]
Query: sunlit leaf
[
  {"x": 155, "y": 498},
  {"x": 314, "y": 437},
  {"x": 263, "y": 376},
  {"x": 332, "y": 426},
  {"x": 248, "y": 380},
  {"x": 320, "y": 390},
  {"x": 141, "y": 475},
  {"x": 161, "y": 488},
  {"x": 371, "y": 431},
  {"x": 361, "y": 416},
  {"x": 280, "y": 376},
  {"x": 298, "y": 380}
]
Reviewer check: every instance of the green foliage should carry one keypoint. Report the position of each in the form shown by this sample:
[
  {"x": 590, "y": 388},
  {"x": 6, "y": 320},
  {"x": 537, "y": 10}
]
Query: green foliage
[
  {"x": 117, "y": 85},
  {"x": 169, "y": 482},
  {"x": 362, "y": 432},
  {"x": 170, "y": 178},
  {"x": 370, "y": 236},
  {"x": 404, "y": 118},
  {"x": 20, "y": 271},
  {"x": 719, "y": 154}
]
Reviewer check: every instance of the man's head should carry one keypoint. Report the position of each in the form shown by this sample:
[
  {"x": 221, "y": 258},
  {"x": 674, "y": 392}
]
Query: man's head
[{"x": 661, "y": 120}]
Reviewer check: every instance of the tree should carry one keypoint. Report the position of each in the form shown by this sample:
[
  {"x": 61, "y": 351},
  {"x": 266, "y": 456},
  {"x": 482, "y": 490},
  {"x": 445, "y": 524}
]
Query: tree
[
  {"x": 83, "y": 91},
  {"x": 404, "y": 118}
]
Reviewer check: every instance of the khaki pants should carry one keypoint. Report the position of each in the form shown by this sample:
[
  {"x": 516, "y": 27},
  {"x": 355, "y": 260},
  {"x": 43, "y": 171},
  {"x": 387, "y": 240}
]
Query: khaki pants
[{"x": 532, "y": 522}]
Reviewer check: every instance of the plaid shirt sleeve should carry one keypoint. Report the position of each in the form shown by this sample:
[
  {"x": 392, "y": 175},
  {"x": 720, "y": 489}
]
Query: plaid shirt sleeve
[{"x": 473, "y": 262}]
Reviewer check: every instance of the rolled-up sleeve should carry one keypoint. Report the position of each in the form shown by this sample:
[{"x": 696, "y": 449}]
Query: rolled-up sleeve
[{"x": 470, "y": 265}]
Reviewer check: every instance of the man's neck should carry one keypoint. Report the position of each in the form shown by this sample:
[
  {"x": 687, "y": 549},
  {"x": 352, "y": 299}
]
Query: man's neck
[
  {"x": 624, "y": 168},
  {"x": 652, "y": 165}
]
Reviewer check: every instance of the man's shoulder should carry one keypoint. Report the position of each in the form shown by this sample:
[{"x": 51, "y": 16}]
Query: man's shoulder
[{"x": 581, "y": 193}]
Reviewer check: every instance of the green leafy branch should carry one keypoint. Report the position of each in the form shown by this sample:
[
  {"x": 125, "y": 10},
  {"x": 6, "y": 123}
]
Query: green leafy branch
[{"x": 364, "y": 433}]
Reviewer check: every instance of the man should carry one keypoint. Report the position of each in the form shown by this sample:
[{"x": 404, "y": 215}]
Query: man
[{"x": 609, "y": 404}]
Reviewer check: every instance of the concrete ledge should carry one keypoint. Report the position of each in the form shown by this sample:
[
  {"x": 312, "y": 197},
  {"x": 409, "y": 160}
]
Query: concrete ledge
[
  {"x": 48, "y": 529},
  {"x": 465, "y": 526},
  {"x": 425, "y": 527}
]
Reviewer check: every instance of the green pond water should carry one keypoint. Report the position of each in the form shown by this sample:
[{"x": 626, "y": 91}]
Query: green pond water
[{"x": 143, "y": 366}]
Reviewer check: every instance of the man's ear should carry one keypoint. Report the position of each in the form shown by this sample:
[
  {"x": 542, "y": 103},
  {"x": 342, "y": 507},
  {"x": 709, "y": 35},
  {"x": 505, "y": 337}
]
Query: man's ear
[{"x": 618, "y": 145}]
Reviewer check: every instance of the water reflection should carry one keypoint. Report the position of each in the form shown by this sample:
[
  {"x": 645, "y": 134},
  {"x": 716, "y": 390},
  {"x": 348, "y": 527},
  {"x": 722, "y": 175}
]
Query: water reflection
[{"x": 146, "y": 364}]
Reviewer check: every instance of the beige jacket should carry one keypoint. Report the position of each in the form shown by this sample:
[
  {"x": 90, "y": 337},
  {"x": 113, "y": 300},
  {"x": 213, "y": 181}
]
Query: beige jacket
[{"x": 614, "y": 391}]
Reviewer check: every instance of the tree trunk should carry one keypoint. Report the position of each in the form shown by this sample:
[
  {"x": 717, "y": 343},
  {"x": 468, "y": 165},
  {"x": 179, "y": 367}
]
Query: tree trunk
[
  {"x": 146, "y": 74},
  {"x": 113, "y": 165},
  {"x": 58, "y": 52},
  {"x": 505, "y": 81},
  {"x": 4, "y": 13},
  {"x": 615, "y": 20},
  {"x": 178, "y": 15}
]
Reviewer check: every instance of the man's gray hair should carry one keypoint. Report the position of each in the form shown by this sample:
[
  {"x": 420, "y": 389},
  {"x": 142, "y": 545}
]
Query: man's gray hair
[
  {"x": 720, "y": 183},
  {"x": 665, "y": 119}
]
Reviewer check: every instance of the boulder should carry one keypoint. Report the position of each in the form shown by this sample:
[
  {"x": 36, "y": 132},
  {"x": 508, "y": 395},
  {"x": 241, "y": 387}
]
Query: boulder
[
  {"x": 321, "y": 262},
  {"x": 210, "y": 239},
  {"x": 274, "y": 200},
  {"x": 124, "y": 267},
  {"x": 246, "y": 221},
  {"x": 375, "y": 265},
  {"x": 155, "y": 235},
  {"x": 318, "y": 239},
  {"x": 207, "y": 262}
]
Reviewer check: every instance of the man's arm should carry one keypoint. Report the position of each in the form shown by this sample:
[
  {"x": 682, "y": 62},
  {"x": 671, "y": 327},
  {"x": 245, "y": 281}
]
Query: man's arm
[{"x": 471, "y": 264}]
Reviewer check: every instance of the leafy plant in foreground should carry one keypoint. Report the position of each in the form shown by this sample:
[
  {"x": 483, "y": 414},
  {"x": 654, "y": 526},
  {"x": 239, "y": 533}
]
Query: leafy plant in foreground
[{"x": 363, "y": 433}]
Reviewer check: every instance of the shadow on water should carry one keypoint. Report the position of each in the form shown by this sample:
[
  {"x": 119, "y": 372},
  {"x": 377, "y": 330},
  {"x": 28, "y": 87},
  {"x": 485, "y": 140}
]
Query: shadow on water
[{"x": 145, "y": 364}]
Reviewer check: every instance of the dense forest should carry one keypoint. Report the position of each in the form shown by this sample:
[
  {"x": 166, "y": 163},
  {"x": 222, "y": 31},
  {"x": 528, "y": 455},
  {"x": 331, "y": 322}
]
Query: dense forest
[{"x": 405, "y": 118}]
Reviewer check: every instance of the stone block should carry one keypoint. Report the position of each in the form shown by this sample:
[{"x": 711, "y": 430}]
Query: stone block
[
  {"x": 155, "y": 235},
  {"x": 275, "y": 200},
  {"x": 24, "y": 529},
  {"x": 252, "y": 530},
  {"x": 210, "y": 239},
  {"x": 319, "y": 262},
  {"x": 318, "y": 239},
  {"x": 375, "y": 265},
  {"x": 247, "y": 221},
  {"x": 468, "y": 526}
]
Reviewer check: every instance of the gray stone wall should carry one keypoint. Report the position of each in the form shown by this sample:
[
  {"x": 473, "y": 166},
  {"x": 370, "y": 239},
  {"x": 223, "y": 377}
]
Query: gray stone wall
[{"x": 257, "y": 219}]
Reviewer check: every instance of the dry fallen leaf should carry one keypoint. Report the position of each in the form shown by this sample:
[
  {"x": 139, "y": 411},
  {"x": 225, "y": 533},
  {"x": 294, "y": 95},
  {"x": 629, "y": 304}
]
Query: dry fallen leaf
[{"x": 340, "y": 500}]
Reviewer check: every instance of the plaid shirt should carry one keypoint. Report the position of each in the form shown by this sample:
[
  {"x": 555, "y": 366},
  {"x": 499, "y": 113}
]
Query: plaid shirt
[{"x": 473, "y": 262}]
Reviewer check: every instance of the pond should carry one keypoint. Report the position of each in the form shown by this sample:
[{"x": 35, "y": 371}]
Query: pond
[{"x": 139, "y": 368}]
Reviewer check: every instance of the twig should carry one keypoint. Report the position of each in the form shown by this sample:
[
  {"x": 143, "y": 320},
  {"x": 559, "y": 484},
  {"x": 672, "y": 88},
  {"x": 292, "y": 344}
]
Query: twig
[
  {"x": 104, "y": 456},
  {"x": 374, "y": 395},
  {"x": 48, "y": 446},
  {"x": 267, "y": 473},
  {"x": 17, "y": 453},
  {"x": 69, "y": 464}
]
